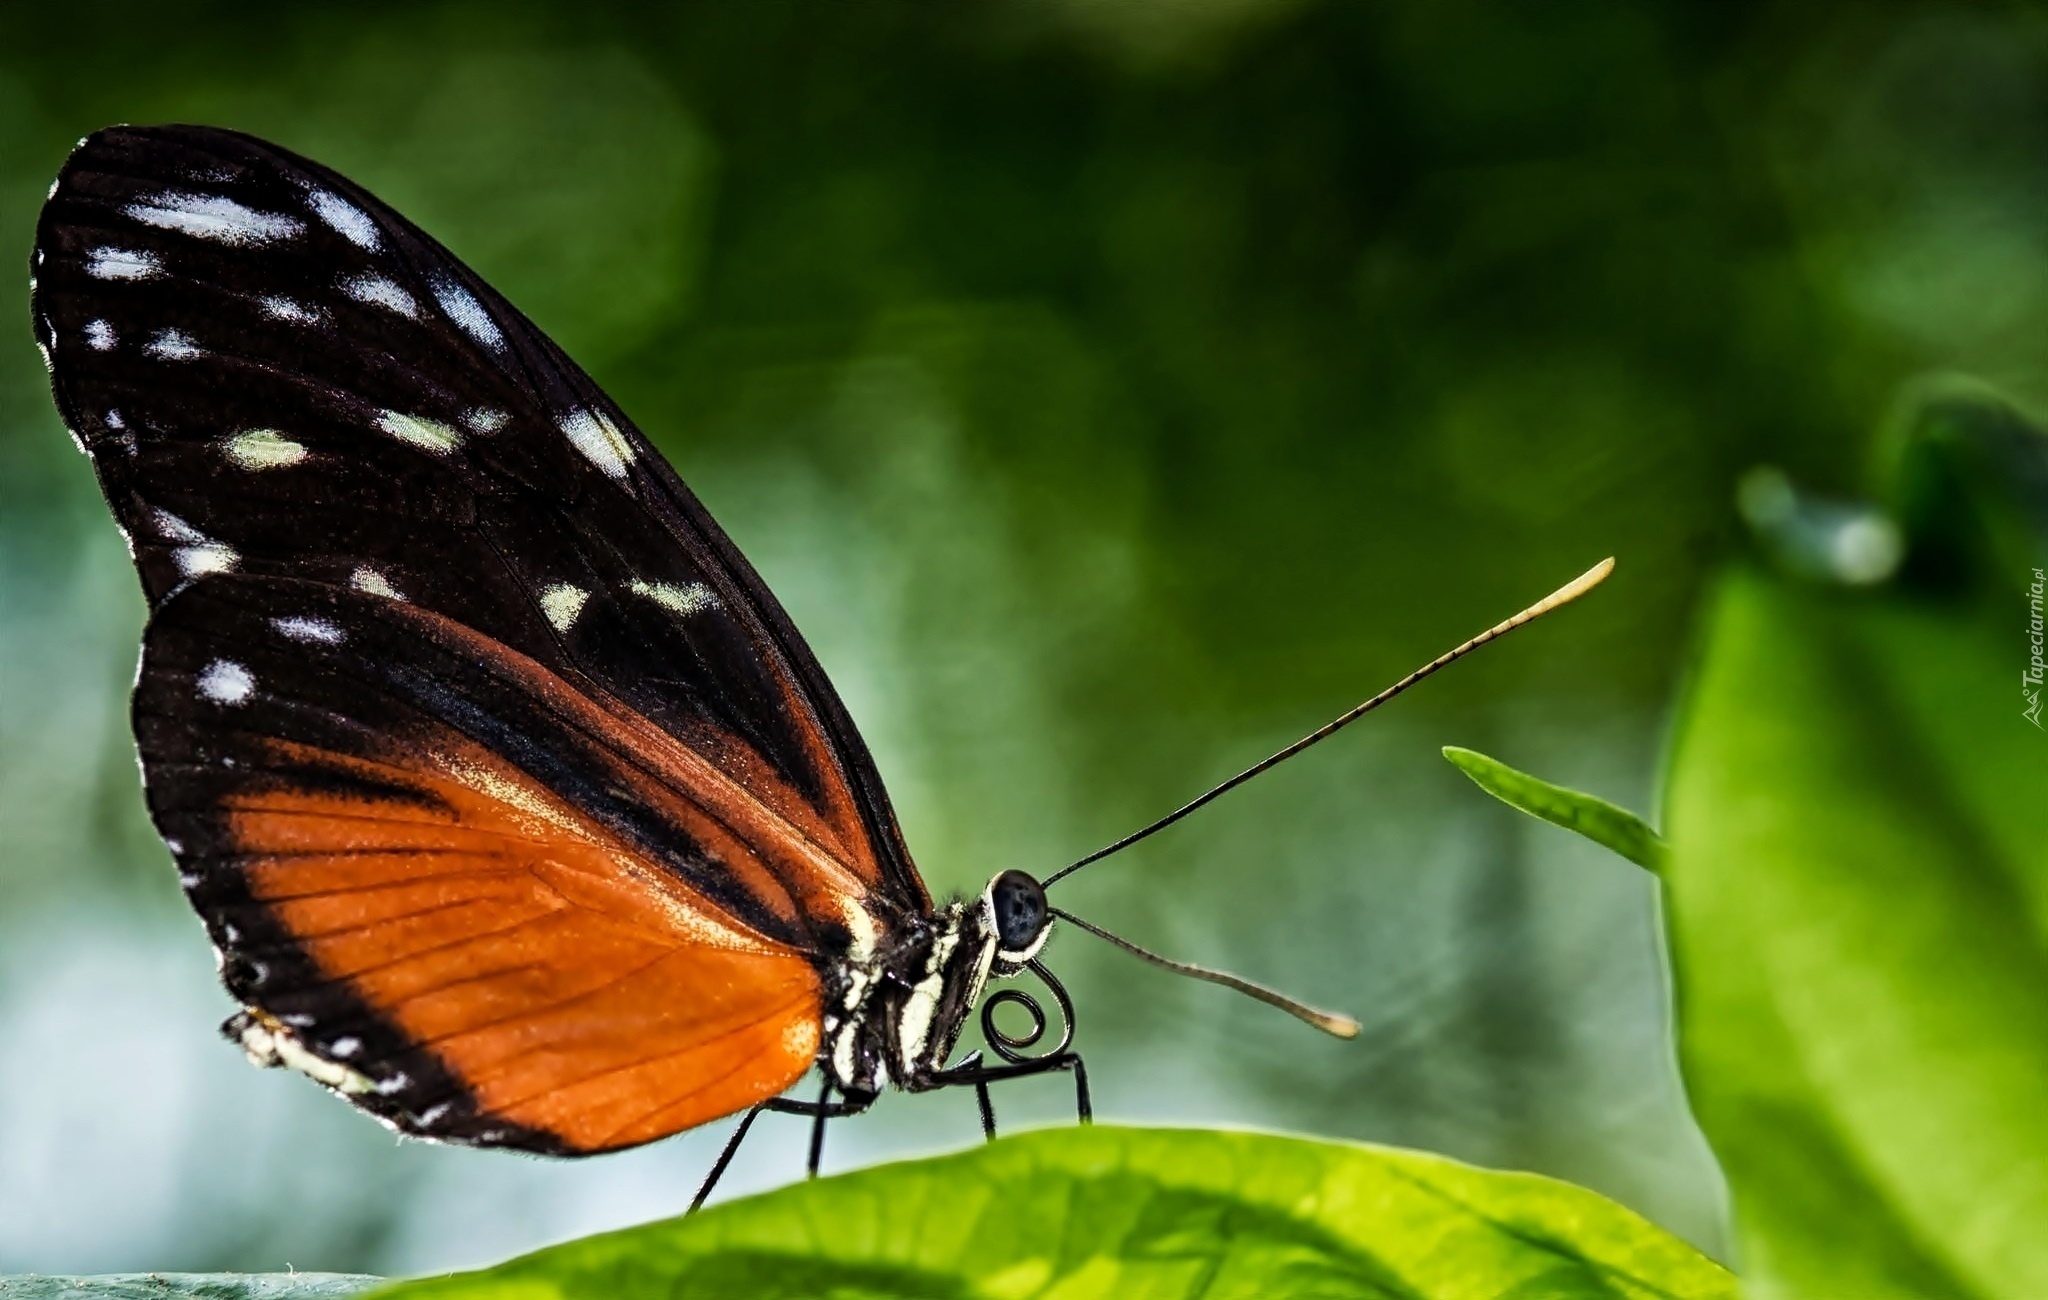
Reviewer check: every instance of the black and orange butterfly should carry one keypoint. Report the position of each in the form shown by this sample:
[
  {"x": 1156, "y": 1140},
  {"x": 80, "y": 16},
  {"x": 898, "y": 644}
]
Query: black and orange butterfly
[{"x": 516, "y": 808}]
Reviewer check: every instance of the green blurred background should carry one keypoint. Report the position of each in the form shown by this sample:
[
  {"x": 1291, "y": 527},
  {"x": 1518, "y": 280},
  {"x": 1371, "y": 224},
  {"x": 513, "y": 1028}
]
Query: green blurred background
[{"x": 1113, "y": 390}]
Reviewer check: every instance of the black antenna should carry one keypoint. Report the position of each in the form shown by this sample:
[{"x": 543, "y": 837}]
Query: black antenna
[
  {"x": 1328, "y": 1022},
  {"x": 1571, "y": 591}
]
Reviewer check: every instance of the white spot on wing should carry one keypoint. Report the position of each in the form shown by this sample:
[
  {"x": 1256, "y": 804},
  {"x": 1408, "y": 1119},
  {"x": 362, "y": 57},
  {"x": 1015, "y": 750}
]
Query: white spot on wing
[
  {"x": 484, "y": 420},
  {"x": 600, "y": 440},
  {"x": 122, "y": 264},
  {"x": 226, "y": 682},
  {"x": 285, "y": 309},
  {"x": 467, "y": 313},
  {"x": 562, "y": 602},
  {"x": 683, "y": 601},
  {"x": 262, "y": 449},
  {"x": 215, "y": 217},
  {"x": 312, "y": 631},
  {"x": 372, "y": 581},
  {"x": 348, "y": 220},
  {"x": 114, "y": 420},
  {"x": 171, "y": 345},
  {"x": 381, "y": 291},
  {"x": 431, "y": 435},
  {"x": 99, "y": 335},
  {"x": 204, "y": 558},
  {"x": 173, "y": 528},
  {"x": 346, "y": 1046}
]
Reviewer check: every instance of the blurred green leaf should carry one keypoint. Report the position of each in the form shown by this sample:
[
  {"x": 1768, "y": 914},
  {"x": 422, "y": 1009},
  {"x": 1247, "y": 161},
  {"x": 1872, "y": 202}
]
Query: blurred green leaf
[
  {"x": 187, "y": 1286},
  {"x": 1595, "y": 818},
  {"x": 1083, "y": 1212},
  {"x": 1967, "y": 474},
  {"x": 1859, "y": 892}
]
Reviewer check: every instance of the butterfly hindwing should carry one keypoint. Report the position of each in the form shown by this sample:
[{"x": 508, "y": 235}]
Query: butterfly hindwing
[
  {"x": 453, "y": 885},
  {"x": 301, "y": 407}
]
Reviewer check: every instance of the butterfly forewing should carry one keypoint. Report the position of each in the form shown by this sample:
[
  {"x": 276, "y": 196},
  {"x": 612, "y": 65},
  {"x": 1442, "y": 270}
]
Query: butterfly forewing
[{"x": 302, "y": 408}]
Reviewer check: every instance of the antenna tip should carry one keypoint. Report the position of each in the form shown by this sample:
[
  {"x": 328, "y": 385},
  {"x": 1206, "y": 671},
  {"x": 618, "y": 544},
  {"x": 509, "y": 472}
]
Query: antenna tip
[
  {"x": 1588, "y": 580},
  {"x": 1564, "y": 595},
  {"x": 1334, "y": 1025}
]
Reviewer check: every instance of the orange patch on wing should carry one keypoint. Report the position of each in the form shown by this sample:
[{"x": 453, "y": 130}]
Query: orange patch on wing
[
  {"x": 571, "y": 985},
  {"x": 809, "y": 858}
]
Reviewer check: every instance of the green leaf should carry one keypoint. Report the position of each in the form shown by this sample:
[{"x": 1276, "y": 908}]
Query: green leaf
[
  {"x": 1859, "y": 889},
  {"x": 187, "y": 1286},
  {"x": 1109, "y": 1212},
  {"x": 1595, "y": 818},
  {"x": 1966, "y": 473}
]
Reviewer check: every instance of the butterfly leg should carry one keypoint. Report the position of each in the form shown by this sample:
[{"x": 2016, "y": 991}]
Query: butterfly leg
[
  {"x": 988, "y": 1109},
  {"x": 820, "y": 1110},
  {"x": 824, "y": 1113},
  {"x": 972, "y": 1071},
  {"x": 732, "y": 1146},
  {"x": 1084, "y": 1106},
  {"x": 969, "y": 1071}
]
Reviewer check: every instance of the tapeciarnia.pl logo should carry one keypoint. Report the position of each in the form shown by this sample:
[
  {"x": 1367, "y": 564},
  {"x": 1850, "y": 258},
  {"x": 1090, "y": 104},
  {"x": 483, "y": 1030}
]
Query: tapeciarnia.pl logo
[{"x": 2030, "y": 680}]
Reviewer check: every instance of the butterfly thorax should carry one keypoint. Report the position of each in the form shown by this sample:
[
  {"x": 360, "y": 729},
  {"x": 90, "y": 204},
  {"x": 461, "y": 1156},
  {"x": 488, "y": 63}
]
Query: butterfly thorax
[{"x": 895, "y": 1015}]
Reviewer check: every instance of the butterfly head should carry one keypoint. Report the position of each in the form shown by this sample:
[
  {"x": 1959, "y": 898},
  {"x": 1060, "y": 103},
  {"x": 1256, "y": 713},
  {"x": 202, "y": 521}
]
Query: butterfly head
[{"x": 1016, "y": 912}]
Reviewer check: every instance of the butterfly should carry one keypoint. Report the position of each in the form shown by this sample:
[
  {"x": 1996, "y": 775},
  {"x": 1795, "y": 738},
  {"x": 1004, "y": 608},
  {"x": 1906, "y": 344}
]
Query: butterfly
[{"x": 517, "y": 810}]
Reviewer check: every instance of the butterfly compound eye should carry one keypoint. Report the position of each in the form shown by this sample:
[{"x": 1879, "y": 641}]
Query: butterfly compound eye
[{"x": 1018, "y": 902}]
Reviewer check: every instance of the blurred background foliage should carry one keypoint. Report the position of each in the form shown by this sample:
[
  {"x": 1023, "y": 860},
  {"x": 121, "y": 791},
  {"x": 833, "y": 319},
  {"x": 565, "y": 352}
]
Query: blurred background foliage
[{"x": 1113, "y": 390}]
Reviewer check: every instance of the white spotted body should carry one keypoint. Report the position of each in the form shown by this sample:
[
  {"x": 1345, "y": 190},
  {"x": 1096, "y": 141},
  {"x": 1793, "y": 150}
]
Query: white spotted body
[{"x": 898, "y": 1014}]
